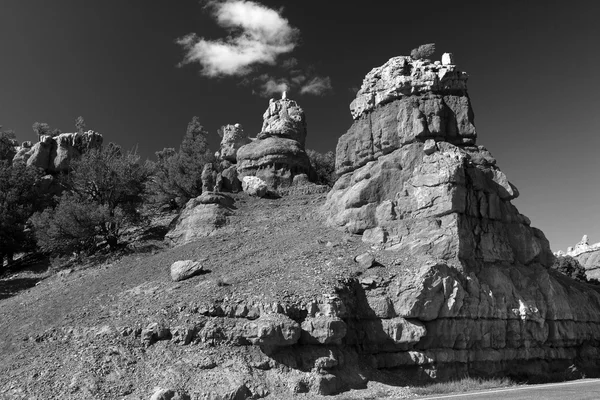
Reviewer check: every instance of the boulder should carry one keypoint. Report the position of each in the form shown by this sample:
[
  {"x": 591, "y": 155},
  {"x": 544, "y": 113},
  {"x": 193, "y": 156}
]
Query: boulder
[
  {"x": 181, "y": 270},
  {"x": 201, "y": 217},
  {"x": 254, "y": 186}
]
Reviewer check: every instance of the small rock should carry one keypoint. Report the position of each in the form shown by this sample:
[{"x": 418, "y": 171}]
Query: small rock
[
  {"x": 168, "y": 394},
  {"x": 447, "y": 59},
  {"x": 154, "y": 332},
  {"x": 181, "y": 270},
  {"x": 430, "y": 147},
  {"x": 365, "y": 260},
  {"x": 254, "y": 186}
]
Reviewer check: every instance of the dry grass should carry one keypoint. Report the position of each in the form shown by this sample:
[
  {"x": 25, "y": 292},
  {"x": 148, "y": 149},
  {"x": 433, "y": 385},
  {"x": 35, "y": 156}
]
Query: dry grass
[{"x": 464, "y": 385}]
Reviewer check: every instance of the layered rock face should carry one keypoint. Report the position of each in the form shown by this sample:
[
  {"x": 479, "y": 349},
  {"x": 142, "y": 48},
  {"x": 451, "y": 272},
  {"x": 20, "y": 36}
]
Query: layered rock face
[
  {"x": 277, "y": 154},
  {"x": 471, "y": 290},
  {"x": 54, "y": 154},
  {"x": 588, "y": 256}
]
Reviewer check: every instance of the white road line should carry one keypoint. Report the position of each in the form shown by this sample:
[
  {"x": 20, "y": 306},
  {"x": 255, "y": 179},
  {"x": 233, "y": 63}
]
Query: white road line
[{"x": 548, "y": 385}]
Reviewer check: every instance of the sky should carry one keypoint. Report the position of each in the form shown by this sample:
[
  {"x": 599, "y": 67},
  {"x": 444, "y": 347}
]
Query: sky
[{"x": 139, "y": 70}]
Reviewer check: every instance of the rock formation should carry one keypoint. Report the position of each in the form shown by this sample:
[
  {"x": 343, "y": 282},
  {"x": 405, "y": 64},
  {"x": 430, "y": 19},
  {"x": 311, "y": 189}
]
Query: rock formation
[
  {"x": 201, "y": 217},
  {"x": 232, "y": 138},
  {"x": 54, "y": 154},
  {"x": 471, "y": 290},
  {"x": 588, "y": 256},
  {"x": 277, "y": 154}
]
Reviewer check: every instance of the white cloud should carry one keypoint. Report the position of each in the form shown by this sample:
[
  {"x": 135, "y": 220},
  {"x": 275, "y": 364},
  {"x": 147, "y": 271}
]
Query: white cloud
[
  {"x": 298, "y": 83},
  {"x": 318, "y": 86},
  {"x": 258, "y": 35}
]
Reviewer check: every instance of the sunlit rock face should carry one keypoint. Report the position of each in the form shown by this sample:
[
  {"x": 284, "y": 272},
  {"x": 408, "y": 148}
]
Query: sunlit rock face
[
  {"x": 277, "y": 154},
  {"x": 54, "y": 154},
  {"x": 473, "y": 272},
  {"x": 588, "y": 256}
]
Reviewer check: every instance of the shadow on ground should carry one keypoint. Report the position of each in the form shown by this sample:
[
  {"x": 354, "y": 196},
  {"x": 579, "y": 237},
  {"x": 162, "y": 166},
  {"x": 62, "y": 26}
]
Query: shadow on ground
[{"x": 22, "y": 274}]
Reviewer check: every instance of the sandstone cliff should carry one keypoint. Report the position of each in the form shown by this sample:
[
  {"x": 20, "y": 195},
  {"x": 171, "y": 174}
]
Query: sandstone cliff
[{"x": 478, "y": 294}]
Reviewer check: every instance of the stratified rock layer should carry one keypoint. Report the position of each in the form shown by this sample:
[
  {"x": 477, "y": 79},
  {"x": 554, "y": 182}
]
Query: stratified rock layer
[{"x": 478, "y": 295}]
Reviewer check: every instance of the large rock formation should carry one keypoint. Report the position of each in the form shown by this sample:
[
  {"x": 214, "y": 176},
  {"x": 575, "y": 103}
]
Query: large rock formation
[
  {"x": 55, "y": 153},
  {"x": 588, "y": 256},
  {"x": 277, "y": 154},
  {"x": 471, "y": 291}
]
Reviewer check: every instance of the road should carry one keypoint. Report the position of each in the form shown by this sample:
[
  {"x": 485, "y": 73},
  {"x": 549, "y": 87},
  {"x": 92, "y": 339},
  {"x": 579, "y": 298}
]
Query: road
[{"x": 583, "y": 389}]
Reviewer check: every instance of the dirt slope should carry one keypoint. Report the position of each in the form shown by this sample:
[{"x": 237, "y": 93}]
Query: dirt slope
[{"x": 74, "y": 336}]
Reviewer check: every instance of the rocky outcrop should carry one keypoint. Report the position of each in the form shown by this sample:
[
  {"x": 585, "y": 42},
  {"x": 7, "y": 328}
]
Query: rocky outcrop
[
  {"x": 588, "y": 256},
  {"x": 471, "y": 290},
  {"x": 55, "y": 153},
  {"x": 232, "y": 138},
  {"x": 277, "y": 154},
  {"x": 201, "y": 217}
]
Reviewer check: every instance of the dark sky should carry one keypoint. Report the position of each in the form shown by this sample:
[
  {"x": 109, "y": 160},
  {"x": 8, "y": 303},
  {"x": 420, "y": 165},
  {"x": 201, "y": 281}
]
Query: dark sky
[{"x": 533, "y": 69}]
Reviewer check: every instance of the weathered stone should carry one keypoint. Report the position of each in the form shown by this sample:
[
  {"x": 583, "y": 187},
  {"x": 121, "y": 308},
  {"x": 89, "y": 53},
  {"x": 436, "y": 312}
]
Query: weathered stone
[
  {"x": 323, "y": 330},
  {"x": 274, "y": 330},
  {"x": 231, "y": 182},
  {"x": 154, "y": 332},
  {"x": 447, "y": 59},
  {"x": 403, "y": 76},
  {"x": 168, "y": 394},
  {"x": 54, "y": 154},
  {"x": 181, "y": 270},
  {"x": 430, "y": 147},
  {"x": 201, "y": 217},
  {"x": 232, "y": 138},
  {"x": 365, "y": 260},
  {"x": 277, "y": 154},
  {"x": 254, "y": 186},
  {"x": 284, "y": 118}
]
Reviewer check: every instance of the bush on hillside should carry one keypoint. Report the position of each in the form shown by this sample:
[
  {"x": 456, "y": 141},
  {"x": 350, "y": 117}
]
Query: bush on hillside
[
  {"x": 105, "y": 188},
  {"x": 423, "y": 51},
  {"x": 323, "y": 167},
  {"x": 7, "y": 144},
  {"x": 19, "y": 198},
  {"x": 178, "y": 174},
  {"x": 570, "y": 267}
]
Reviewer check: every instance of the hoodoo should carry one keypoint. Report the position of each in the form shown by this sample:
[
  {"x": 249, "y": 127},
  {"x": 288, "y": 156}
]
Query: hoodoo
[{"x": 278, "y": 153}]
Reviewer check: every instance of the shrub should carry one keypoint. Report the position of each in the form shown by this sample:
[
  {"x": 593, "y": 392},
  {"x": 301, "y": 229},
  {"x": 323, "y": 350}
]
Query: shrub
[
  {"x": 423, "y": 51},
  {"x": 323, "y": 167},
  {"x": 104, "y": 190},
  {"x": 178, "y": 174},
  {"x": 570, "y": 267},
  {"x": 19, "y": 198},
  {"x": 41, "y": 128},
  {"x": 8, "y": 140}
]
